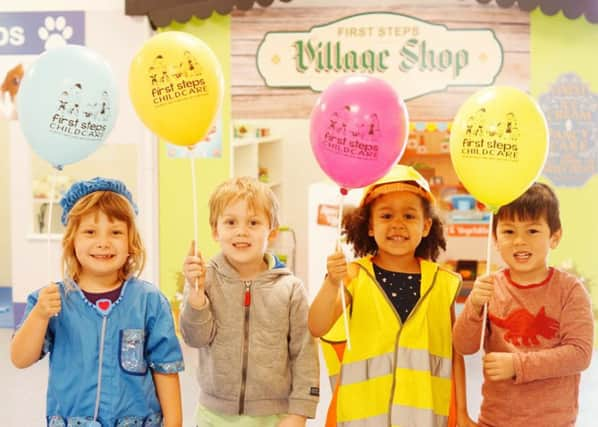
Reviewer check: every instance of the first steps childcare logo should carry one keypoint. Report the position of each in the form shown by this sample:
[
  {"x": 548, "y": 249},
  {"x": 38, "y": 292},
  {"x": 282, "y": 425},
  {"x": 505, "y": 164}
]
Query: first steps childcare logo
[
  {"x": 358, "y": 139},
  {"x": 175, "y": 81},
  {"x": 496, "y": 140},
  {"x": 81, "y": 113}
]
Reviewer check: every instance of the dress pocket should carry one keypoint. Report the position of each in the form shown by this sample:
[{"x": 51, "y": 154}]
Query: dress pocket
[{"x": 132, "y": 345}]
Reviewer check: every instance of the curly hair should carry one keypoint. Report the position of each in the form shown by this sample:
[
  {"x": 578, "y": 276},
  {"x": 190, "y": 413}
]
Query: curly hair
[
  {"x": 356, "y": 225},
  {"x": 114, "y": 206}
]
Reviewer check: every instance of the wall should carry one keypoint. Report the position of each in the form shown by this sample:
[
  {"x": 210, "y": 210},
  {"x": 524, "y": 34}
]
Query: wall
[
  {"x": 252, "y": 99},
  {"x": 5, "y": 269},
  {"x": 561, "y": 45}
]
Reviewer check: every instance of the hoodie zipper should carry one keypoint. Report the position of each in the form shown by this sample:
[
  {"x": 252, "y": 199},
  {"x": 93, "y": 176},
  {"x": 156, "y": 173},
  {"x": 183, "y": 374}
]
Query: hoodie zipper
[{"x": 246, "y": 305}]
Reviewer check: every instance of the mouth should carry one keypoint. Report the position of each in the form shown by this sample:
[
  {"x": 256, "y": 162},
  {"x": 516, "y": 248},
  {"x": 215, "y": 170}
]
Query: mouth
[
  {"x": 522, "y": 256},
  {"x": 241, "y": 245},
  {"x": 103, "y": 257},
  {"x": 396, "y": 238}
]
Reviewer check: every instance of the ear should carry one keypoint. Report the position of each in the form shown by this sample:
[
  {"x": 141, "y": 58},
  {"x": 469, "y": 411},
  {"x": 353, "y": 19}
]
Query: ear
[
  {"x": 215, "y": 234},
  {"x": 427, "y": 227},
  {"x": 273, "y": 235},
  {"x": 555, "y": 238},
  {"x": 370, "y": 227}
]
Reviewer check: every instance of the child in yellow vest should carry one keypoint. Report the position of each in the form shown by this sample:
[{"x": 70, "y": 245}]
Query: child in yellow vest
[{"x": 399, "y": 370}]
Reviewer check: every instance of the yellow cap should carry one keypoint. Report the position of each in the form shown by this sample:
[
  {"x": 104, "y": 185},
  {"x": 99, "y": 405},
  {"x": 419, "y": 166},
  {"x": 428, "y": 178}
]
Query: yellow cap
[{"x": 400, "y": 178}]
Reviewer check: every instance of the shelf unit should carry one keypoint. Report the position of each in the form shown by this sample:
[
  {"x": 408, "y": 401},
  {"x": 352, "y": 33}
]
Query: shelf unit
[
  {"x": 40, "y": 217},
  {"x": 251, "y": 154}
]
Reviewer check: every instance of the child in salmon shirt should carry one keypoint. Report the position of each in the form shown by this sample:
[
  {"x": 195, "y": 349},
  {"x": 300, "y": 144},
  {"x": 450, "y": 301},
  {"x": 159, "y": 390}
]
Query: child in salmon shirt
[{"x": 540, "y": 326}]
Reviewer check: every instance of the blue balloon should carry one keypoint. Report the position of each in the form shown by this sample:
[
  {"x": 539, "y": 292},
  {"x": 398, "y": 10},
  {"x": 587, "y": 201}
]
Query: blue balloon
[{"x": 67, "y": 104}]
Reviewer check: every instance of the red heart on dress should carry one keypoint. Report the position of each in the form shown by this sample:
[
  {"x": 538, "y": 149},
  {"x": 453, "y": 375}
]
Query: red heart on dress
[{"x": 103, "y": 305}]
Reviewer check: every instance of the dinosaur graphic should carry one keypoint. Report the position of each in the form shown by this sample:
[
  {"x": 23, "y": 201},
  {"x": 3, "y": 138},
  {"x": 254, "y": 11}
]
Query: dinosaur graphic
[{"x": 523, "y": 327}]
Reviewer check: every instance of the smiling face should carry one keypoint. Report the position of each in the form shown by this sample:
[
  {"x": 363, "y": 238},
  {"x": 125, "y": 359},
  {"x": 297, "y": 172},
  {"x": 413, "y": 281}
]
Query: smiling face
[
  {"x": 101, "y": 247},
  {"x": 398, "y": 224},
  {"x": 243, "y": 232},
  {"x": 524, "y": 246}
]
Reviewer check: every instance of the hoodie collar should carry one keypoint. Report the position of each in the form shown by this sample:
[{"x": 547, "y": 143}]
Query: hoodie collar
[{"x": 275, "y": 268}]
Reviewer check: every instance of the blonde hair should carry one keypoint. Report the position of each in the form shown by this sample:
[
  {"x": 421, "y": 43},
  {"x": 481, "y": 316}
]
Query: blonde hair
[
  {"x": 257, "y": 194},
  {"x": 114, "y": 206}
]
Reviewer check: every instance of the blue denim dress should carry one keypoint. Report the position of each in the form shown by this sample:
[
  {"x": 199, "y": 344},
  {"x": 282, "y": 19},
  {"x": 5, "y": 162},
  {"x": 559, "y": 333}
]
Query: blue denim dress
[{"x": 101, "y": 359}]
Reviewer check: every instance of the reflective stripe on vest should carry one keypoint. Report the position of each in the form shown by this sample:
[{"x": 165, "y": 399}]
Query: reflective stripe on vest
[
  {"x": 408, "y": 416},
  {"x": 403, "y": 416},
  {"x": 408, "y": 358},
  {"x": 333, "y": 379}
]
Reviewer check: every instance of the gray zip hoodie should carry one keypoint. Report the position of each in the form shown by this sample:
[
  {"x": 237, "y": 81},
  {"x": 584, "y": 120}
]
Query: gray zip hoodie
[{"x": 256, "y": 355}]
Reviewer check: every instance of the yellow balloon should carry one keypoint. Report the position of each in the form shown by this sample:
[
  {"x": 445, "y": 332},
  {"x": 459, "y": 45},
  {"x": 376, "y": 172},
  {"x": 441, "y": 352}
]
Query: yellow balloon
[
  {"x": 176, "y": 86},
  {"x": 498, "y": 144}
]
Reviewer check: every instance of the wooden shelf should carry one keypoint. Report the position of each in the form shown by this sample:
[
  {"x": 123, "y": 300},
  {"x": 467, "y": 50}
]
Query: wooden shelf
[
  {"x": 252, "y": 154},
  {"x": 239, "y": 142}
]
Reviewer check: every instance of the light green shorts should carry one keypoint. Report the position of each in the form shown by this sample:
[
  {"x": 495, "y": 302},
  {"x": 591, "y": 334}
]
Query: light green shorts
[{"x": 207, "y": 418}]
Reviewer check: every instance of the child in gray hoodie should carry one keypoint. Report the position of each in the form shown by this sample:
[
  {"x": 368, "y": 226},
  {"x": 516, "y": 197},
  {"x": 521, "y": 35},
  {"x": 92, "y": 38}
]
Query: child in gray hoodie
[{"x": 246, "y": 313}]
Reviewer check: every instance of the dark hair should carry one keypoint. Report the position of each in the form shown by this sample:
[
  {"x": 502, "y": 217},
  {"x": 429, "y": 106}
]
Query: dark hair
[
  {"x": 538, "y": 201},
  {"x": 356, "y": 225}
]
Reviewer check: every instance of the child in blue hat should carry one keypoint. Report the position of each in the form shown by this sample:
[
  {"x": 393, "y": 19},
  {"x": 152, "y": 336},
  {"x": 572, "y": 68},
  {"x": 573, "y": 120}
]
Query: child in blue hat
[{"x": 114, "y": 354}]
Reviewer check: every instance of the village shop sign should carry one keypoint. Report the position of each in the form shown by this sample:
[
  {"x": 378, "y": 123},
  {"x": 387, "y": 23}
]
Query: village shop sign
[{"x": 415, "y": 56}]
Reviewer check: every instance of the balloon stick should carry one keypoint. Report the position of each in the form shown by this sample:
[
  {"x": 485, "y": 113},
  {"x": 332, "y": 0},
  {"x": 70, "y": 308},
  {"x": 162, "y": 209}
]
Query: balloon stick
[{"x": 342, "y": 285}]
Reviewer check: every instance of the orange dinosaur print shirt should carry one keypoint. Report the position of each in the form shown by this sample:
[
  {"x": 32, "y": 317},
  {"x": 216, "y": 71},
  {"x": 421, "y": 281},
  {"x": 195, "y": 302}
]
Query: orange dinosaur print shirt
[{"x": 549, "y": 328}]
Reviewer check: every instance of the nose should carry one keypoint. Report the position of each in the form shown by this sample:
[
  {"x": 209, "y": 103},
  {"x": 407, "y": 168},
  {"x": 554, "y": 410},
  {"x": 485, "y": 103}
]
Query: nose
[
  {"x": 518, "y": 239},
  {"x": 397, "y": 223},
  {"x": 242, "y": 230},
  {"x": 102, "y": 241}
]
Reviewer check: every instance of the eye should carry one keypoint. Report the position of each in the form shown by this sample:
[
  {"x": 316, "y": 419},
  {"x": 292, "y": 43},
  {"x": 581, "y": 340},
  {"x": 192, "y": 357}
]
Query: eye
[
  {"x": 506, "y": 231},
  {"x": 254, "y": 222},
  {"x": 88, "y": 231},
  {"x": 533, "y": 231},
  {"x": 118, "y": 232},
  {"x": 229, "y": 222},
  {"x": 409, "y": 216},
  {"x": 385, "y": 215}
]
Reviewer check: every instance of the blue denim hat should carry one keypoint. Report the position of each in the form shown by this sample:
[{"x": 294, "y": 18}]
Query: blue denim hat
[{"x": 83, "y": 188}]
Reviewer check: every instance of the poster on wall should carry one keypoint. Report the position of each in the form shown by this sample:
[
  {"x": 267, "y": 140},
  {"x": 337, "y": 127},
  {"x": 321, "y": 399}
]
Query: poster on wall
[
  {"x": 24, "y": 36},
  {"x": 571, "y": 110}
]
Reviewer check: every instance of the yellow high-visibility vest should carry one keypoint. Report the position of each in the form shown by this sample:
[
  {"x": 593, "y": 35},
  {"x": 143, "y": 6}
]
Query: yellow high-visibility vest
[{"x": 398, "y": 374}]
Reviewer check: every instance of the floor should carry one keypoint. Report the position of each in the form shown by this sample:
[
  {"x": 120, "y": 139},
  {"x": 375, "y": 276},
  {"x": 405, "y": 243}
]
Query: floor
[{"x": 22, "y": 392}]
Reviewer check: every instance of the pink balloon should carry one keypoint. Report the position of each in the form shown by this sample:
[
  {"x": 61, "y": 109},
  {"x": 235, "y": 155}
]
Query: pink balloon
[{"x": 359, "y": 128}]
